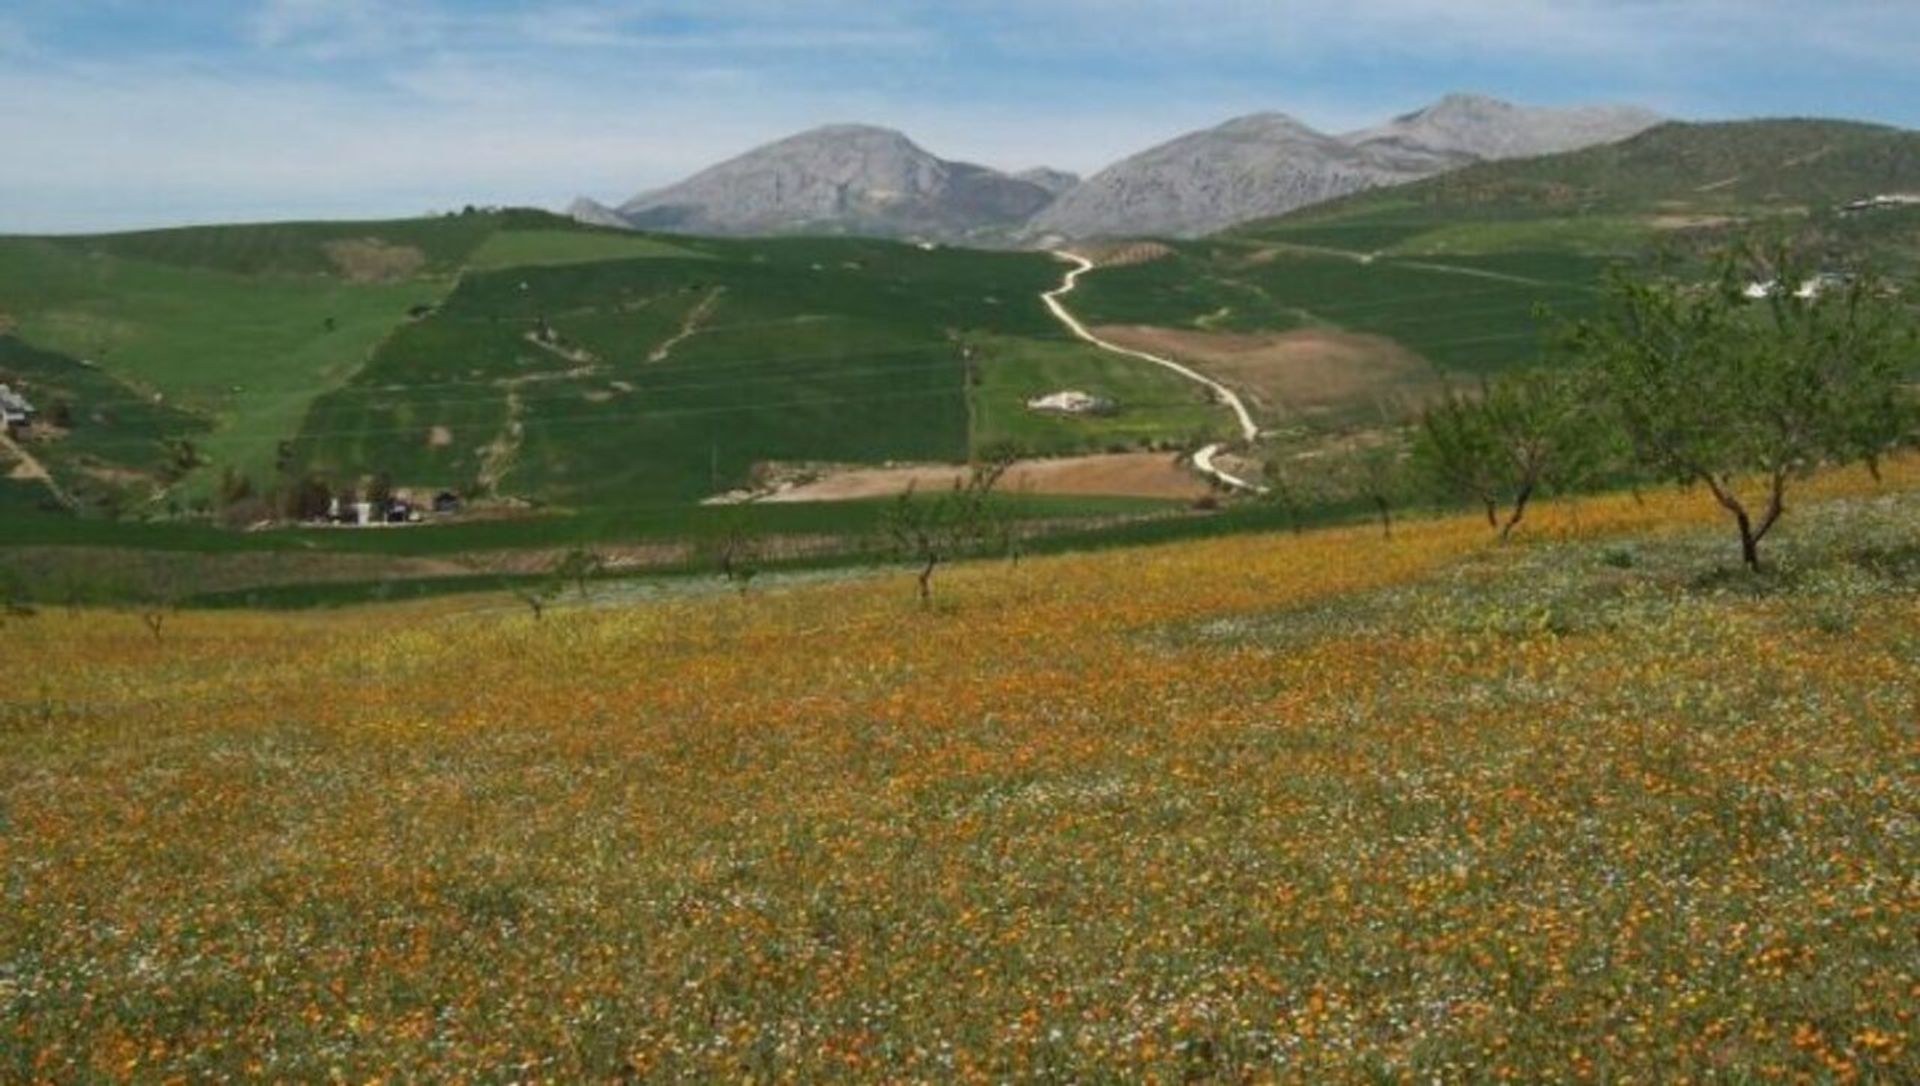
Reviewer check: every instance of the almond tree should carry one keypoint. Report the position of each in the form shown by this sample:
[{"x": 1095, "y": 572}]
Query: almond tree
[
  {"x": 929, "y": 531},
  {"x": 1523, "y": 433},
  {"x": 1741, "y": 395}
]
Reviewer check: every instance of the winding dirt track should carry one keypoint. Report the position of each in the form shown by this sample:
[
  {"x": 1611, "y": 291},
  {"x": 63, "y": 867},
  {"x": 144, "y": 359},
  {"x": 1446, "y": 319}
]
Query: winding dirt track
[
  {"x": 1203, "y": 460},
  {"x": 30, "y": 468}
]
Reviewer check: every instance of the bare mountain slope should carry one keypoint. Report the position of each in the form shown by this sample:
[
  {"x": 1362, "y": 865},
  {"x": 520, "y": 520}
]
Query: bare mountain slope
[
  {"x": 1250, "y": 167},
  {"x": 1463, "y": 128},
  {"x": 841, "y": 179},
  {"x": 1268, "y": 164},
  {"x": 858, "y": 179}
]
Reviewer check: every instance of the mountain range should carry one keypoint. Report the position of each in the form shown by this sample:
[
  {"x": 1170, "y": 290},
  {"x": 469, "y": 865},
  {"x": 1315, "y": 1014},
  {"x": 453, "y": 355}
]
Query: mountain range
[{"x": 864, "y": 180}]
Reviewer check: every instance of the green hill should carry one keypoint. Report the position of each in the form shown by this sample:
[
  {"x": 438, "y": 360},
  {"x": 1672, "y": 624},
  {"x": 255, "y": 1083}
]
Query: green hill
[
  {"x": 1675, "y": 178},
  {"x": 667, "y": 368},
  {"x": 1452, "y": 268},
  {"x": 104, "y": 445},
  {"x": 670, "y": 377}
]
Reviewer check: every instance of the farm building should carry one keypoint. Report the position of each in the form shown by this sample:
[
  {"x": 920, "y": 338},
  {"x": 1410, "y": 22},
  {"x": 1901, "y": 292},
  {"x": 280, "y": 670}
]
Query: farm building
[
  {"x": 15, "y": 412},
  {"x": 1070, "y": 402}
]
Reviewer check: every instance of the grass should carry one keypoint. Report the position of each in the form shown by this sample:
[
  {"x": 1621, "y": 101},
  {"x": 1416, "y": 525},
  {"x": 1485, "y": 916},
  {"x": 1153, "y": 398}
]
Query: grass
[
  {"x": 1467, "y": 314},
  {"x": 1321, "y": 808},
  {"x": 513, "y": 248},
  {"x": 445, "y": 243},
  {"x": 117, "y": 448},
  {"x": 248, "y": 352},
  {"x": 673, "y": 376},
  {"x": 1152, "y": 406}
]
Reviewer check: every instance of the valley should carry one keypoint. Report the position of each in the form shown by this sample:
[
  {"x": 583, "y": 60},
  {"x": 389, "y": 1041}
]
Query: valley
[
  {"x": 1231, "y": 562},
  {"x": 567, "y": 377}
]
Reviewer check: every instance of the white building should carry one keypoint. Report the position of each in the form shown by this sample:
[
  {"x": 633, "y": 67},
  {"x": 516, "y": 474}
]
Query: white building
[
  {"x": 15, "y": 411},
  {"x": 1070, "y": 402}
]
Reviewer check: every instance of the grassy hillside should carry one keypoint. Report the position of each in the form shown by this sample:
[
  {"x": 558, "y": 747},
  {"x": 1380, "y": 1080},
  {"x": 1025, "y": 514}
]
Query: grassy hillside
[
  {"x": 1462, "y": 316},
  {"x": 246, "y": 325},
  {"x": 665, "y": 370},
  {"x": 669, "y": 376},
  {"x": 1453, "y": 268},
  {"x": 1732, "y": 167},
  {"x": 1658, "y": 188},
  {"x": 1336, "y": 809},
  {"x": 104, "y": 445}
]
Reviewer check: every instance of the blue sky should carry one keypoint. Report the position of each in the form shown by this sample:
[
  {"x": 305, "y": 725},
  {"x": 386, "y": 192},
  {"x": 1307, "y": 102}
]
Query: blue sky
[{"x": 117, "y": 113}]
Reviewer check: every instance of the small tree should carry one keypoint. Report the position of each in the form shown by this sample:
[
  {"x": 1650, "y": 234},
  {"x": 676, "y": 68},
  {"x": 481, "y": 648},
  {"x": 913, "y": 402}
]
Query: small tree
[
  {"x": 16, "y": 602},
  {"x": 380, "y": 490},
  {"x": 1522, "y": 433},
  {"x": 735, "y": 550},
  {"x": 579, "y": 565},
  {"x": 931, "y": 531},
  {"x": 157, "y": 596},
  {"x": 1456, "y": 452},
  {"x": 1376, "y": 474},
  {"x": 309, "y": 499},
  {"x": 1292, "y": 485},
  {"x": 1712, "y": 385}
]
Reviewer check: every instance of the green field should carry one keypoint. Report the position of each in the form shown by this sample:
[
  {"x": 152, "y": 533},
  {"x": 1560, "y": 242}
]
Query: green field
[
  {"x": 116, "y": 449},
  {"x": 1150, "y": 404},
  {"x": 670, "y": 376},
  {"x": 603, "y": 382},
  {"x": 1466, "y": 315},
  {"x": 247, "y": 352}
]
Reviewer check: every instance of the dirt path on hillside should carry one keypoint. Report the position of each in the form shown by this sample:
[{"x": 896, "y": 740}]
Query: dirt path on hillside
[
  {"x": 696, "y": 318},
  {"x": 28, "y": 468},
  {"x": 1203, "y": 460},
  {"x": 498, "y": 457},
  {"x": 1423, "y": 265}
]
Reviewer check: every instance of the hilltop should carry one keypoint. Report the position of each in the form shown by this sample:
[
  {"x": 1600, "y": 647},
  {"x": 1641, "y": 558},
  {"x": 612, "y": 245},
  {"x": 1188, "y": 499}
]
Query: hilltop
[
  {"x": 865, "y": 180},
  {"x": 840, "y": 179},
  {"x": 1269, "y": 163},
  {"x": 1676, "y": 176}
]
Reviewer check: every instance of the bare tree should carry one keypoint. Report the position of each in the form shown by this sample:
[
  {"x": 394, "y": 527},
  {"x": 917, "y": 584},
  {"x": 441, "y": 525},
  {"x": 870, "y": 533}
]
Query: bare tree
[
  {"x": 580, "y": 565},
  {"x": 735, "y": 550},
  {"x": 929, "y": 531}
]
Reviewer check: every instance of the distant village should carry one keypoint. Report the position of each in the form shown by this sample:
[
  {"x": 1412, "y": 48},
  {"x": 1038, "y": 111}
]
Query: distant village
[{"x": 398, "y": 508}]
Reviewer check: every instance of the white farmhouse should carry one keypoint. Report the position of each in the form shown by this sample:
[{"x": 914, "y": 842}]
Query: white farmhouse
[
  {"x": 15, "y": 412},
  {"x": 1070, "y": 402}
]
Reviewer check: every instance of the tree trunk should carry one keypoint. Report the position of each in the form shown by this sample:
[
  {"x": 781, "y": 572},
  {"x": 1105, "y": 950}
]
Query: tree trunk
[
  {"x": 1493, "y": 514},
  {"x": 1750, "y": 533},
  {"x": 1749, "y": 544},
  {"x": 1519, "y": 510},
  {"x": 1386, "y": 518},
  {"x": 926, "y": 580}
]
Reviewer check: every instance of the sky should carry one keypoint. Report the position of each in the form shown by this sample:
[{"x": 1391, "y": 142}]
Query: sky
[{"x": 129, "y": 113}]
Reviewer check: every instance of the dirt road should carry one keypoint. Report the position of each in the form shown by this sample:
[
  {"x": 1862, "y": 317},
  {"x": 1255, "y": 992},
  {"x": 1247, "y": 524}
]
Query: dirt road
[
  {"x": 31, "y": 469},
  {"x": 1203, "y": 460}
]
